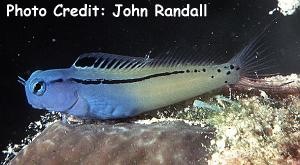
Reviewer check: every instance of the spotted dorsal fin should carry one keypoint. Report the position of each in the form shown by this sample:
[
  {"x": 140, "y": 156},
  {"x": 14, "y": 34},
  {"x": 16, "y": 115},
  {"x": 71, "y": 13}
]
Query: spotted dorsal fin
[{"x": 109, "y": 61}]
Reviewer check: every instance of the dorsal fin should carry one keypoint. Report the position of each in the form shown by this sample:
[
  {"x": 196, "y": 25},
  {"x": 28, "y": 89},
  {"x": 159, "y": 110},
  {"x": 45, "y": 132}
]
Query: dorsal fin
[
  {"x": 178, "y": 56},
  {"x": 110, "y": 61}
]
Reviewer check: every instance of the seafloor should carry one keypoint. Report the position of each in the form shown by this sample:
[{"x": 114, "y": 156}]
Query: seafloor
[{"x": 237, "y": 125}]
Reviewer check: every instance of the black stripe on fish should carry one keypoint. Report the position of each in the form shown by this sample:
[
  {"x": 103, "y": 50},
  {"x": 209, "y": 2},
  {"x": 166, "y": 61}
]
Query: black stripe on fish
[
  {"x": 103, "y": 81},
  {"x": 57, "y": 81}
]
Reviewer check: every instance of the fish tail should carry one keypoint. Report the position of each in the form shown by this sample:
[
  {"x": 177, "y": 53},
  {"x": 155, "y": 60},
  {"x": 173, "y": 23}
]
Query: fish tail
[
  {"x": 254, "y": 63},
  {"x": 254, "y": 59}
]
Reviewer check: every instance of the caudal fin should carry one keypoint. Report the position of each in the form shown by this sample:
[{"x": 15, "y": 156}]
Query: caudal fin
[
  {"x": 255, "y": 62},
  {"x": 254, "y": 58}
]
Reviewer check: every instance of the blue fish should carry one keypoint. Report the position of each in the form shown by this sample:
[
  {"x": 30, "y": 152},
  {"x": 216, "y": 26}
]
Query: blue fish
[{"x": 109, "y": 86}]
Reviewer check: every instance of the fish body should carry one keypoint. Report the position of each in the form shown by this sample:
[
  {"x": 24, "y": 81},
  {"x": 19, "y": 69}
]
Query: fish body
[{"x": 108, "y": 86}]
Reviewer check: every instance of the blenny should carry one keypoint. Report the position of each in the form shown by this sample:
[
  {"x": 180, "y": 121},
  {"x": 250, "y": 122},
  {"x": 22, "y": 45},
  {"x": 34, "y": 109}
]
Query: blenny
[{"x": 108, "y": 86}]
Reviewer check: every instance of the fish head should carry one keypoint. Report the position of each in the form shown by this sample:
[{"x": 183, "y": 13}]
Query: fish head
[{"x": 50, "y": 90}]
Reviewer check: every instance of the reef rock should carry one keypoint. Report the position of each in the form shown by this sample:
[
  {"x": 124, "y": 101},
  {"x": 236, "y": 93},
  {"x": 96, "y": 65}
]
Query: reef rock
[{"x": 169, "y": 142}]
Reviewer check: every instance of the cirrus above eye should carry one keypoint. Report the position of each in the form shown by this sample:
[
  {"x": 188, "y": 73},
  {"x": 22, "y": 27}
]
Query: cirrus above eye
[{"x": 39, "y": 88}]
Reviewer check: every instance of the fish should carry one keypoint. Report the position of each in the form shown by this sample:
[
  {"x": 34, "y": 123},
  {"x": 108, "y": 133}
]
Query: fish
[{"x": 109, "y": 86}]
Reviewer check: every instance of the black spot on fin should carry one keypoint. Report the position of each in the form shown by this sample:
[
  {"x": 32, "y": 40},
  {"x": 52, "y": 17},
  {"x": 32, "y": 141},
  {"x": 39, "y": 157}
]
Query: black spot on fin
[{"x": 110, "y": 61}]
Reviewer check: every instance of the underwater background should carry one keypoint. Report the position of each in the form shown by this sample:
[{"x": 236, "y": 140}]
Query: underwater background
[{"x": 29, "y": 44}]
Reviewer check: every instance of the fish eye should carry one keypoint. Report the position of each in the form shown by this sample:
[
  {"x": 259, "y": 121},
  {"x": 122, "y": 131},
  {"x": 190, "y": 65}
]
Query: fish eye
[{"x": 39, "y": 88}]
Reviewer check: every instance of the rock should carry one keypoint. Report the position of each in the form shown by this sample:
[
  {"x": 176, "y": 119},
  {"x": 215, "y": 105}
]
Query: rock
[{"x": 166, "y": 142}]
